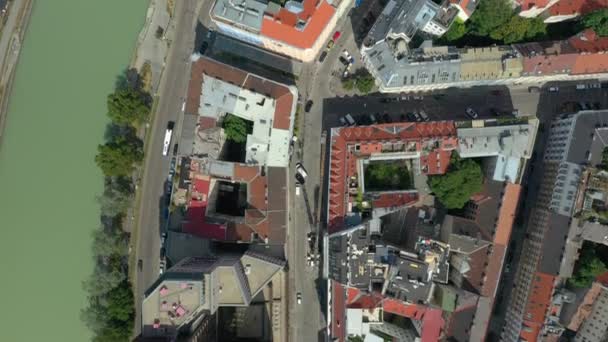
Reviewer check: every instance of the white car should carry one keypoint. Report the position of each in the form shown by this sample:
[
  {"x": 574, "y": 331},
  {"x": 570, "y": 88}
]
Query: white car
[
  {"x": 299, "y": 298},
  {"x": 297, "y": 189},
  {"x": 471, "y": 113}
]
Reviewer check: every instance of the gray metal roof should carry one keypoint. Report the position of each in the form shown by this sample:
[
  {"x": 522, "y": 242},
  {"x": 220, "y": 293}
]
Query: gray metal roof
[
  {"x": 245, "y": 13},
  {"x": 553, "y": 244}
]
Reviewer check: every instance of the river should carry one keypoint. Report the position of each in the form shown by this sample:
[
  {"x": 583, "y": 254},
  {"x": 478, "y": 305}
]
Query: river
[{"x": 72, "y": 53}]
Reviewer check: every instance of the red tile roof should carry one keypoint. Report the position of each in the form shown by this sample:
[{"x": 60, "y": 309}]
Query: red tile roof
[
  {"x": 370, "y": 140},
  {"x": 195, "y": 215},
  {"x": 432, "y": 324},
  {"x": 338, "y": 322},
  {"x": 365, "y": 301},
  {"x": 579, "y": 7},
  {"x": 538, "y": 303},
  {"x": 397, "y": 307},
  {"x": 528, "y": 4},
  {"x": 506, "y": 215},
  {"x": 395, "y": 199},
  {"x": 282, "y": 27}
]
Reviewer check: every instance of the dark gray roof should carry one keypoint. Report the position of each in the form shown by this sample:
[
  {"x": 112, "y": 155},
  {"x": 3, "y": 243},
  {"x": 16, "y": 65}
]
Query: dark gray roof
[
  {"x": 554, "y": 243},
  {"x": 337, "y": 258},
  {"x": 409, "y": 280},
  {"x": 277, "y": 188},
  {"x": 583, "y": 143},
  {"x": 403, "y": 227}
]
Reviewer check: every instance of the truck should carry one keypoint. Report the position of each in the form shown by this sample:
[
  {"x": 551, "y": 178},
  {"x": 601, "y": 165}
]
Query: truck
[{"x": 168, "y": 135}]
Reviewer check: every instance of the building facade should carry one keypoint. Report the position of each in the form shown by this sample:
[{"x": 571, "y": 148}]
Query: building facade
[{"x": 399, "y": 69}]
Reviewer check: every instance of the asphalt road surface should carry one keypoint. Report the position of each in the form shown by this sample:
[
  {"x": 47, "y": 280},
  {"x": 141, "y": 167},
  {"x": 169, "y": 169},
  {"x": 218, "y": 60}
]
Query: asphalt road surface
[{"x": 171, "y": 94}]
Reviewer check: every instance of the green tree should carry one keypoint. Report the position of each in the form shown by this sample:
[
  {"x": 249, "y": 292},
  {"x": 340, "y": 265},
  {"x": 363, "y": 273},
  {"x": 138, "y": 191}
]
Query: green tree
[
  {"x": 110, "y": 242},
  {"x": 114, "y": 202},
  {"x": 598, "y": 21},
  {"x": 236, "y": 129},
  {"x": 365, "y": 82},
  {"x": 489, "y": 15},
  {"x": 518, "y": 29},
  {"x": 456, "y": 31},
  {"x": 118, "y": 157},
  {"x": 121, "y": 303},
  {"x": 455, "y": 187},
  {"x": 128, "y": 106},
  {"x": 587, "y": 268}
]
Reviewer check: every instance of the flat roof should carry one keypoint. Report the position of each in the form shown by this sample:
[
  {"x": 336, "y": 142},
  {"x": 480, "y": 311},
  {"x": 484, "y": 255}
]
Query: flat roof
[
  {"x": 171, "y": 304},
  {"x": 247, "y": 14}
]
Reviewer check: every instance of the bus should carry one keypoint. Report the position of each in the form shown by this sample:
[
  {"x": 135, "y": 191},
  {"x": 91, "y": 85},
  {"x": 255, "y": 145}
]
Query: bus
[{"x": 168, "y": 134}]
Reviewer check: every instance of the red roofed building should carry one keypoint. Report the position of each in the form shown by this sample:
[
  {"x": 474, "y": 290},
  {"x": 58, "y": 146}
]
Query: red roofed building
[
  {"x": 298, "y": 29},
  {"x": 430, "y": 144},
  {"x": 559, "y": 10}
]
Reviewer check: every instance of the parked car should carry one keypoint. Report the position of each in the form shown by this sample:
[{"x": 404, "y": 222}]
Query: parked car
[
  {"x": 593, "y": 85},
  {"x": 336, "y": 35},
  {"x": 494, "y": 112},
  {"x": 299, "y": 297},
  {"x": 204, "y": 47},
  {"x": 424, "y": 116},
  {"x": 301, "y": 171},
  {"x": 343, "y": 60},
  {"x": 418, "y": 97},
  {"x": 330, "y": 44},
  {"x": 298, "y": 185},
  {"x": 140, "y": 265},
  {"x": 386, "y": 118},
  {"x": 373, "y": 119},
  {"x": 343, "y": 121},
  {"x": 554, "y": 89},
  {"x": 308, "y": 105},
  {"x": 581, "y": 86},
  {"x": 322, "y": 56},
  {"x": 411, "y": 116},
  {"x": 471, "y": 113},
  {"x": 350, "y": 120}
]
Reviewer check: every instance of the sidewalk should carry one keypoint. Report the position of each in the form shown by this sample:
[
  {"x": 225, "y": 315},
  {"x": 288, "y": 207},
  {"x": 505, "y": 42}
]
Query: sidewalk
[{"x": 150, "y": 48}]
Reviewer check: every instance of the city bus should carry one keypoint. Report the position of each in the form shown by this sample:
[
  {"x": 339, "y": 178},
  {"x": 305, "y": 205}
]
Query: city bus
[{"x": 168, "y": 134}]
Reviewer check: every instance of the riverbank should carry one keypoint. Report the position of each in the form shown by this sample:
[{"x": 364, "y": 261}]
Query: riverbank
[{"x": 13, "y": 33}]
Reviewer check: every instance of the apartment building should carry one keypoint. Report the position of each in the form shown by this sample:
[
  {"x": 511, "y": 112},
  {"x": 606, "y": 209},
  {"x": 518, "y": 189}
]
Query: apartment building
[
  {"x": 574, "y": 142},
  {"x": 297, "y": 29},
  {"x": 399, "y": 69}
]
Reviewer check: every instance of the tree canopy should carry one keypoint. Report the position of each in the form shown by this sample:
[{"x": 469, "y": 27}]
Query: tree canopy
[
  {"x": 365, "y": 82},
  {"x": 598, "y": 21},
  {"x": 381, "y": 176},
  {"x": 588, "y": 266},
  {"x": 118, "y": 157},
  {"x": 236, "y": 128},
  {"x": 490, "y": 15},
  {"x": 455, "y": 187},
  {"x": 518, "y": 29},
  {"x": 494, "y": 21},
  {"x": 128, "y": 106}
]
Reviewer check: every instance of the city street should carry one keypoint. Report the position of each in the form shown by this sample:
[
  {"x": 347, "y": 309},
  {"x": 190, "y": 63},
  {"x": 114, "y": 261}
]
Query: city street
[{"x": 171, "y": 93}]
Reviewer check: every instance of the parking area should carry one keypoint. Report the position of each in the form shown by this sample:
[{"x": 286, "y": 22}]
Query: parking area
[{"x": 451, "y": 104}]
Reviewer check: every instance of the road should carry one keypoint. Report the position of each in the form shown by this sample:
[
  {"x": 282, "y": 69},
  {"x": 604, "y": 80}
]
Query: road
[
  {"x": 10, "y": 45},
  {"x": 171, "y": 93}
]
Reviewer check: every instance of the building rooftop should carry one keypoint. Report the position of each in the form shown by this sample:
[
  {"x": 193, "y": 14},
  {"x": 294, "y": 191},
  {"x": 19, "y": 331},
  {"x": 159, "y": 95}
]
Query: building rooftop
[
  {"x": 201, "y": 284},
  {"x": 270, "y": 106},
  {"x": 431, "y": 143},
  {"x": 298, "y": 23}
]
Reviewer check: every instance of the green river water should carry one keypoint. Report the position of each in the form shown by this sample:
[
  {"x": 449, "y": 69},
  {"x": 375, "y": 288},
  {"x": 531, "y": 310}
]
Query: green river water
[{"x": 73, "y": 51}]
